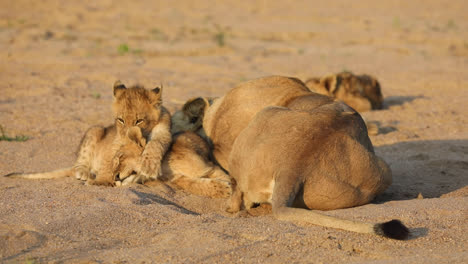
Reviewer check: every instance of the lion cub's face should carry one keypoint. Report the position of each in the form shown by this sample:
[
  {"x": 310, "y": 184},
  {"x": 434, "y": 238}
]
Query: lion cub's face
[
  {"x": 361, "y": 92},
  {"x": 364, "y": 86},
  {"x": 136, "y": 106},
  {"x": 126, "y": 159}
]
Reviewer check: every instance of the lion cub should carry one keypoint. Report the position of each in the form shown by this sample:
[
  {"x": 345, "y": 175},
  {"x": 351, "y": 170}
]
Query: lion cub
[
  {"x": 361, "y": 92},
  {"x": 188, "y": 163},
  {"x": 133, "y": 107},
  {"x": 113, "y": 155}
]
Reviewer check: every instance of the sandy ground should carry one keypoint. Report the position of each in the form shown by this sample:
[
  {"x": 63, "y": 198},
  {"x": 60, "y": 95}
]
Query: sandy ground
[{"x": 59, "y": 59}]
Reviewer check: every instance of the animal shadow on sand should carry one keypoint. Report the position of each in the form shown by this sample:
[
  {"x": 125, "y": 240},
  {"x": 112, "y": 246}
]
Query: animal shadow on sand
[
  {"x": 385, "y": 129},
  {"x": 418, "y": 232},
  {"x": 24, "y": 241},
  {"x": 429, "y": 168},
  {"x": 149, "y": 198},
  {"x": 399, "y": 100}
]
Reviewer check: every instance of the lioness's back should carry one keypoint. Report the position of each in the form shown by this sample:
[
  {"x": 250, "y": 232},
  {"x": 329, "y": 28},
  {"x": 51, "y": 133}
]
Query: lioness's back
[{"x": 229, "y": 115}]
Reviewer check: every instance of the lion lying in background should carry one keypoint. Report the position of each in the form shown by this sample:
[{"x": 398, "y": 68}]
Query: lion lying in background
[
  {"x": 288, "y": 147},
  {"x": 361, "y": 92}
]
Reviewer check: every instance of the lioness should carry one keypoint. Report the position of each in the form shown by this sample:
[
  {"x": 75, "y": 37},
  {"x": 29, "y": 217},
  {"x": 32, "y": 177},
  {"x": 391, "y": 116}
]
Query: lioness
[
  {"x": 134, "y": 106},
  {"x": 287, "y": 146},
  {"x": 361, "y": 92}
]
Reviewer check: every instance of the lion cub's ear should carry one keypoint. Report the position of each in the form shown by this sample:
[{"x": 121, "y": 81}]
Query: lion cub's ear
[
  {"x": 119, "y": 87},
  {"x": 156, "y": 95},
  {"x": 134, "y": 134},
  {"x": 330, "y": 83},
  {"x": 195, "y": 107}
]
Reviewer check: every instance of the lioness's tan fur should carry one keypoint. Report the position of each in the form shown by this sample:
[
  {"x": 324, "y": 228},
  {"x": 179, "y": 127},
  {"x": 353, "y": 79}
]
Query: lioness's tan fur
[
  {"x": 230, "y": 114},
  {"x": 361, "y": 92},
  {"x": 285, "y": 145}
]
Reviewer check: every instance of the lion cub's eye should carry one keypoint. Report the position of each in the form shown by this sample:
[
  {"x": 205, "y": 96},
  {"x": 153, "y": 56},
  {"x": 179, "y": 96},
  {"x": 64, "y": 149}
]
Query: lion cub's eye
[
  {"x": 139, "y": 121},
  {"x": 193, "y": 120},
  {"x": 121, "y": 120}
]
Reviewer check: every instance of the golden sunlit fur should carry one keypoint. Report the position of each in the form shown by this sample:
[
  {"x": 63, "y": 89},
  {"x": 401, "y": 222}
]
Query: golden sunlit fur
[
  {"x": 110, "y": 155},
  {"x": 188, "y": 165},
  {"x": 289, "y": 147},
  {"x": 188, "y": 162},
  {"x": 137, "y": 106},
  {"x": 134, "y": 109}
]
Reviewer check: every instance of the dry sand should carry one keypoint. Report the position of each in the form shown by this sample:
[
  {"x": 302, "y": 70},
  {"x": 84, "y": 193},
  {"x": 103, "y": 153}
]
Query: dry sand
[{"x": 59, "y": 59}]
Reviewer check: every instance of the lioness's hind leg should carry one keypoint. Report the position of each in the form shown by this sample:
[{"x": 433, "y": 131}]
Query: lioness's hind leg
[
  {"x": 386, "y": 173},
  {"x": 83, "y": 164}
]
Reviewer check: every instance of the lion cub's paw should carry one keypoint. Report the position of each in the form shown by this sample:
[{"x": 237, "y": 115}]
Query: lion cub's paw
[
  {"x": 82, "y": 174},
  {"x": 221, "y": 189},
  {"x": 150, "y": 168},
  {"x": 101, "y": 183}
]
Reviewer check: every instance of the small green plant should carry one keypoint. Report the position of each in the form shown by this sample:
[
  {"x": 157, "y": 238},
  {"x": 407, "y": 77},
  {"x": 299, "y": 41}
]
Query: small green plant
[
  {"x": 396, "y": 22},
  {"x": 30, "y": 260},
  {"x": 242, "y": 79},
  {"x": 158, "y": 34},
  {"x": 220, "y": 36},
  {"x": 4, "y": 137},
  {"x": 451, "y": 24},
  {"x": 220, "y": 39},
  {"x": 123, "y": 49},
  {"x": 96, "y": 95}
]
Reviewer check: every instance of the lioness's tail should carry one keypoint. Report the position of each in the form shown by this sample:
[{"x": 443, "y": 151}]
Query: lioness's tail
[
  {"x": 393, "y": 229},
  {"x": 44, "y": 175}
]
